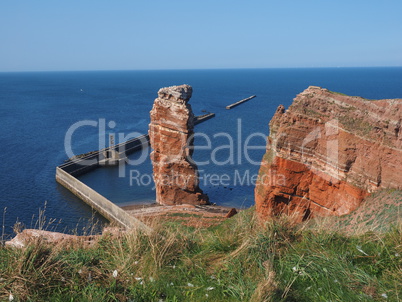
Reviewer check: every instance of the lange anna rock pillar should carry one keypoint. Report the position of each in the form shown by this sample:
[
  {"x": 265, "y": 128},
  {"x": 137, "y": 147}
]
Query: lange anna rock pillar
[{"x": 171, "y": 136}]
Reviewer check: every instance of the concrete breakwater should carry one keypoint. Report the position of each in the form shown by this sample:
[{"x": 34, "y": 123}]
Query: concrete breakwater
[
  {"x": 240, "y": 102},
  {"x": 92, "y": 160},
  {"x": 101, "y": 204},
  {"x": 202, "y": 118}
]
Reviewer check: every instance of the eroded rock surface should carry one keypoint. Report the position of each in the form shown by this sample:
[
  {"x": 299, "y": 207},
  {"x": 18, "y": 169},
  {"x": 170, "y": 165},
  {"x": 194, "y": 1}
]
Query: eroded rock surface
[
  {"x": 327, "y": 152},
  {"x": 171, "y": 137},
  {"x": 33, "y": 236}
]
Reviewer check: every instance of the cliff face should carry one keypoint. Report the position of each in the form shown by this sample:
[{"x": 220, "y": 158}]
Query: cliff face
[
  {"x": 170, "y": 132},
  {"x": 327, "y": 152}
]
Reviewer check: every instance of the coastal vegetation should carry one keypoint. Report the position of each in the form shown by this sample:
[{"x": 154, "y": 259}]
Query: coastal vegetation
[{"x": 241, "y": 259}]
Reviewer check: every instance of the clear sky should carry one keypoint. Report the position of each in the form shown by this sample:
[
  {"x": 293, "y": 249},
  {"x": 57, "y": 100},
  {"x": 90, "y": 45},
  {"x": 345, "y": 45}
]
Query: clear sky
[{"x": 160, "y": 34}]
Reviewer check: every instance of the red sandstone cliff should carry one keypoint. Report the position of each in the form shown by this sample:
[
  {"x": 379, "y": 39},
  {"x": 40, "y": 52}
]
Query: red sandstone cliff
[
  {"x": 327, "y": 152},
  {"x": 170, "y": 132}
]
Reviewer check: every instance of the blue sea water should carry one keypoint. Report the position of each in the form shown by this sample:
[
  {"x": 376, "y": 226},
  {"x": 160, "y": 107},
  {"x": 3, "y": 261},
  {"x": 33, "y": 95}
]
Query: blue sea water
[{"x": 38, "y": 108}]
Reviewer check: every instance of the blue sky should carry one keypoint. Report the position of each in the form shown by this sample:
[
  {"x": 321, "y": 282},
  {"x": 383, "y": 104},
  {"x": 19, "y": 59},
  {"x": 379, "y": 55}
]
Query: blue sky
[{"x": 138, "y": 34}]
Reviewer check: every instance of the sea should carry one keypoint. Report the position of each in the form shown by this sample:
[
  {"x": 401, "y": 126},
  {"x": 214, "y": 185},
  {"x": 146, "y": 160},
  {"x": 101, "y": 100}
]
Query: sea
[{"x": 48, "y": 116}]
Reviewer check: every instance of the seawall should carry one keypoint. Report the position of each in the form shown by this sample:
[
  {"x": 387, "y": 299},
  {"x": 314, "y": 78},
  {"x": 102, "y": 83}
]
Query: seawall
[
  {"x": 83, "y": 164},
  {"x": 101, "y": 204},
  {"x": 240, "y": 102}
]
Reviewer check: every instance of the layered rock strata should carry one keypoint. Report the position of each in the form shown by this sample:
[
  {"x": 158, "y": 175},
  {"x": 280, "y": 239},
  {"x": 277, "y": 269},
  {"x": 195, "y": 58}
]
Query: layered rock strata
[
  {"x": 171, "y": 137},
  {"x": 327, "y": 152}
]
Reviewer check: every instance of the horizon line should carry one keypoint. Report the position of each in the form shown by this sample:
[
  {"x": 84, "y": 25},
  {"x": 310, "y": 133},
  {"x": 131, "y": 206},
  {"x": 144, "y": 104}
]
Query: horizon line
[{"x": 184, "y": 69}]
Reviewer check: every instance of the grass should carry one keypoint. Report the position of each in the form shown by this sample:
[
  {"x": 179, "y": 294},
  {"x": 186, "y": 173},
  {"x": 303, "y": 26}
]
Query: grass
[
  {"x": 377, "y": 214},
  {"x": 352, "y": 123},
  {"x": 340, "y": 93},
  {"x": 184, "y": 215},
  {"x": 239, "y": 260}
]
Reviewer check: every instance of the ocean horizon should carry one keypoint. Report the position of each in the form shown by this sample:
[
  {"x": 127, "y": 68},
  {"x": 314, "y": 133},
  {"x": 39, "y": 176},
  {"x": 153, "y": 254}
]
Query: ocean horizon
[{"x": 198, "y": 69}]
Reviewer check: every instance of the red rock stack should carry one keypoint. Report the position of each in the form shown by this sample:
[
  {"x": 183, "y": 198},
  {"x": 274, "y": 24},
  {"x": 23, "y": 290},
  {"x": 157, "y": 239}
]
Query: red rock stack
[{"x": 171, "y": 137}]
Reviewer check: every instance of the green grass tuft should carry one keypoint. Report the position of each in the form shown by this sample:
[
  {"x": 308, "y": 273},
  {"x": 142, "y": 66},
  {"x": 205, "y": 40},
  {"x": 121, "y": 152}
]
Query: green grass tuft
[{"x": 239, "y": 260}]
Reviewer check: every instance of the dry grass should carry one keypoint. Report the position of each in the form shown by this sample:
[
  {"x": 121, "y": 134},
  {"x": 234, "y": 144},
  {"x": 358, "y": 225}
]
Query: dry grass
[{"x": 242, "y": 259}]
